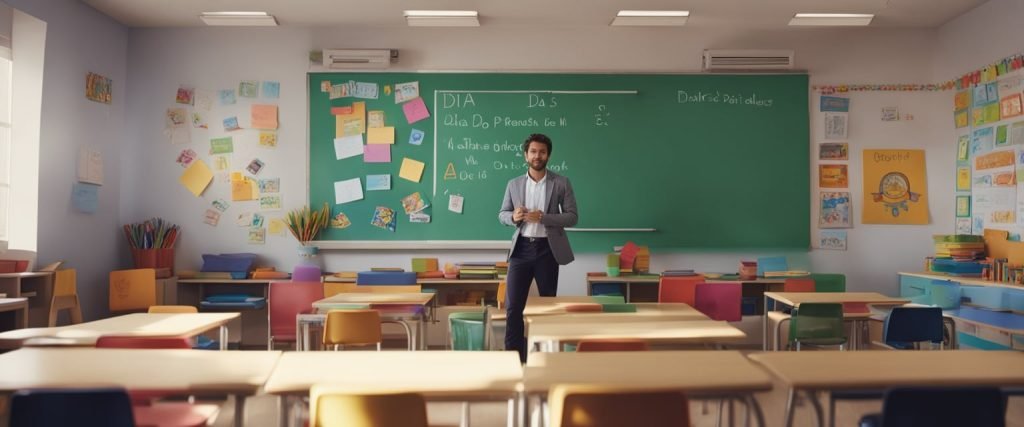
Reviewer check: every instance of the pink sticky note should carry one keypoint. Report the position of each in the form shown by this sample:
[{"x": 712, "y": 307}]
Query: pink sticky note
[
  {"x": 415, "y": 110},
  {"x": 377, "y": 153}
]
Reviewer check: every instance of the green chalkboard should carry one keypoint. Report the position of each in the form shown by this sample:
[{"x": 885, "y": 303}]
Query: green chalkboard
[{"x": 708, "y": 161}]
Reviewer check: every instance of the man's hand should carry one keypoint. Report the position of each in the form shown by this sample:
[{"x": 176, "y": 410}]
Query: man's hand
[
  {"x": 519, "y": 214},
  {"x": 534, "y": 216}
]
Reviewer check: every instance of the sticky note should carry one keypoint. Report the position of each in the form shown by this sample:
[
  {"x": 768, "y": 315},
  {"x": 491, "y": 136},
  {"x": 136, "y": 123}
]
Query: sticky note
[
  {"x": 85, "y": 197},
  {"x": 411, "y": 169},
  {"x": 348, "y": 190},
  {"x": 196, "y": 177},
  {"x": 377, "y": 153},
  {"x": 381, "y": 135},
  {"x": 378, "y": 182},
  {"x": 276, "y": 225},
  {"x": 243, "y": 187},
  {"x": 415, "y": 110},
  {"x": 348, "y": 146},
  {"x": 416, "y": 137},
  {"x": 264, "y": 116},
  {"x": 455, "y": 203},
  {"x": 353, "y": 123}
]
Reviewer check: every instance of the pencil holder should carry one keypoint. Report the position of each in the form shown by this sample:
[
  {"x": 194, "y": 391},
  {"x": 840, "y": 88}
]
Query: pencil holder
[{"x": 154, "y": 258}]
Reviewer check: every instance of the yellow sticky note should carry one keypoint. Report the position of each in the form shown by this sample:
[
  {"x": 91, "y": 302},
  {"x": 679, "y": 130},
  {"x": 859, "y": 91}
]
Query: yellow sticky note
[
  {"x": 411, "y": 169},
  {"x": 383, "y": 135},
  {"x": 353, "y": 123},
  {"x": 276, "y": 226},
  {"x": 196, "y": 177},
  {"x": 244, "y": 189},
  {"x": 236, "y": 176},
  {"x": 264, "y": 116}
]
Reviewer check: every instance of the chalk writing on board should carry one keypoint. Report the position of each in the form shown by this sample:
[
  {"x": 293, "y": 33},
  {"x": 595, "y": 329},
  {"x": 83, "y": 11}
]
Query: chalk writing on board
[{"x": 716, "y": 97}]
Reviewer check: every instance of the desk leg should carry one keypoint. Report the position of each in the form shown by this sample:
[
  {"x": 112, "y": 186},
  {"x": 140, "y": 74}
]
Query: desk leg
[
  {"x": 765, "y": 326},
  {"x": 284, "y": 410},
  {"x": 239, "y": 410},
  {"x": 812, "y": 395},
  {"x": 465, "y": 415},
  {"x": 628, "y": 285},
  {"x": 223, "y": 337},
  {"x": 756, "y": 407},
  {"x": 790, "y": 403}
]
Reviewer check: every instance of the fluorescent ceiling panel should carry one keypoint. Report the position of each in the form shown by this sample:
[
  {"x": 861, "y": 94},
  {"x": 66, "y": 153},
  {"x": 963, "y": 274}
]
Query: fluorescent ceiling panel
[
  {"x": 831, "y": 19},
  {"x": 650, "y": 18},
  {"x": 242, "y": 19},
  {"x": 442, "y": 18}
]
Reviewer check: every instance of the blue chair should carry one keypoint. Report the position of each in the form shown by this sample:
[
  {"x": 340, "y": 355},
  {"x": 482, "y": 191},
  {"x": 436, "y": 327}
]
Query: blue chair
[
  {"x": 940, "y": 407},
  {"x": 905, "y": 327},
  {"x": 104, "y": 407}
]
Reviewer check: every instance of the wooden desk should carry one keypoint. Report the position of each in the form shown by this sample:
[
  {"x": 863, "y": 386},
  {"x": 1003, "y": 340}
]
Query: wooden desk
[
  {"x": 190, "y": 372},
  {"x": 794, "y": 299},
  {"x": 700, "y": 373},
  {"x": 254, "y": 324},
  {"x": 18, "y": 308},
  {"x": 343, "y": 301},
  {"x": 37, "y": 287},
  {"x": 447, "y": 290},
  {"x": 644, "y": 288},
  {"x": 813, "y": 371},
  {"x": 654, "y": 332},
  {"x": 438, "y": 375},
  {"x": 137, "y": 324}
]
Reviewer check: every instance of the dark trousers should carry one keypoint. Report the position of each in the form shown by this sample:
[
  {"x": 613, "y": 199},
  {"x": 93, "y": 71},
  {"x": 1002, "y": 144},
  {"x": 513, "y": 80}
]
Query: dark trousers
[{"x": 531, "y": 259}]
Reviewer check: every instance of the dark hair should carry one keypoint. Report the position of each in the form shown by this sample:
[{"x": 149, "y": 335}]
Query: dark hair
[{"x": 537, "y": 137}]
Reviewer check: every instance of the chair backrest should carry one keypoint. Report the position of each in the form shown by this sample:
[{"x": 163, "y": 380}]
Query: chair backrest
[
  {"x": 328, "y": 408},
  {"x": 619, "y": 308},
  {"x": 132, "y": 290},
  {"x": 306, "y": 273},
  {"x": 612, "y": 345},
  {"x": 173, "y": 309},
  {"x": 594, "y": 406},
  {"x": 64, "y": 283},
  {"x": 679, "y": 289},
  {"x": 502, "y": 289},
  {"x": 120, "y": 341},
  {"x": 799, "y": 285},
  {"x": 944, "y": 407},
  {"x": 816, "y": 320},
  {"x": 286, "y": 300},
  {"x": 357, "y": 327},
  {"x": 720, "y": 301},
  {"x": 107, "y": 407},
  {"x": 829, "y": 282},
  {"x": 913, "y": 324},
  {"x": 583, "y": 307}
]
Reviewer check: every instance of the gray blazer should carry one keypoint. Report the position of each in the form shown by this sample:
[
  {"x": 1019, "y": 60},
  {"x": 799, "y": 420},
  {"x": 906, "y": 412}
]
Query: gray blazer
[{"x": 560, "y": 213}]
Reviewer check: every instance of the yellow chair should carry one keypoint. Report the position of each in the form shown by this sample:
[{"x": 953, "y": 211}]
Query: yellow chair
[
  {"x": 173, "y": 309},
  {"x": 65, "y": 296},
  {"x": 603, "y": 406},
  {"x": 132, "y": 290},
  {"x": 352, "y": 327},
  {"x": 501, "y": 294},
  {"x": 331, "y": 406}
]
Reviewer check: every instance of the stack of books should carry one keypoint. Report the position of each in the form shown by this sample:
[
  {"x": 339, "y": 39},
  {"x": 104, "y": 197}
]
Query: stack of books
[
  {"x": 959, "y": 246},
  {"x": 478, "y": 270},
  {"x": 501, "y": 267},
  {"x": 642, "y": 263},
  {"x": 962, "y": 255}
]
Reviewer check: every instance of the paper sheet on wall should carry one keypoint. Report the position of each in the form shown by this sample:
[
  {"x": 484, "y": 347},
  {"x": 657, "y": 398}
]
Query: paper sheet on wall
[
  {"x": 378, "y": 182},
  {"x": 415, "y": 110},
  {"x": 348, "y": 146},
  {"x": 348, "y": 190},
  {"x": 85, "y": 197},
  {"x": 411, "y": 169},
  {"x": 196, "y": 177},
  {"x": 378, "y": 153},
  {"x": 993, "y": 185},
  {"x": 381, "y": 135},
  {"x": 895, "y": 188},
  {"x": 90, "y": 166},
  {"x": 243, "y": 187},
  {"x": 264, "y": 116},
  {"x": 352, "y": 123}
]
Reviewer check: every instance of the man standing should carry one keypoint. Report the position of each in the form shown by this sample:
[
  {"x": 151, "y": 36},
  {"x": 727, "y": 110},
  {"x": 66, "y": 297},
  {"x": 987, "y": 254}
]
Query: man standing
[{"x": 540, "y": 205}]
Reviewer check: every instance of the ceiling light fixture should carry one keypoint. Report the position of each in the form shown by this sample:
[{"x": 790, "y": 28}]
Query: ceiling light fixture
[
  {"x": 831, "y": 19},
  {"x": 650, "y": 18},
  {"x": 442, "y": 18},
  {"x": 245, "y": 19}
]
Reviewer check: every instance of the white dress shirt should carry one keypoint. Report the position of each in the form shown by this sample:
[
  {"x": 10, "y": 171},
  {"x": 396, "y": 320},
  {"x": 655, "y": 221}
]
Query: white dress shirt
[{"x": 535, "y": 199}]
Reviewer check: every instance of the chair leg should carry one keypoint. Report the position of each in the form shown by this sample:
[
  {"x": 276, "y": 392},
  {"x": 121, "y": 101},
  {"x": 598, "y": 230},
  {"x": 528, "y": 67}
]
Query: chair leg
[
  {"x": 53, "y": 316},
  {"x": 378, "y": 346},
  {"x": 76, "y": 311}
]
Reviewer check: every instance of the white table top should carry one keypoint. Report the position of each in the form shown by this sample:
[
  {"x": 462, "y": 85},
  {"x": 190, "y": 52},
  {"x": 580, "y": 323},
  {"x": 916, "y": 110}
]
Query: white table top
[
  {"x": 136, "y": 324},
  {"x": 192, "y": 371},
  {"x": 796, "y": 298},
  {"x": 706, "y": 371},
  {"x": 886, "y": 368},
  {"x": 436, "y": 374},
  {"x": 661, "y": 331},
  {"x": 374, "y": 298},
  {"x": 645, "y": 312}
]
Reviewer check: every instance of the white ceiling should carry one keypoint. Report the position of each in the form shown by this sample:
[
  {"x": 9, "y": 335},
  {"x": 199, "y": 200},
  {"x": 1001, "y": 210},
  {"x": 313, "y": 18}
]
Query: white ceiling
[{"x": 760, "y": 14}]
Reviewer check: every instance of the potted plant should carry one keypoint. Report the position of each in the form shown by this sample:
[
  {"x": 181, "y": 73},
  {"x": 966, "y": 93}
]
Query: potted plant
[{"x": 305, "y": 225}]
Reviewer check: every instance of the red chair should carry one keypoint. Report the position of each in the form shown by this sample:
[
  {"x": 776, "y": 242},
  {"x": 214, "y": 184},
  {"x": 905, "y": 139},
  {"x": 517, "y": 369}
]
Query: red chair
[
  {"x": 679, "y": 289},
  {"x": 612, "y": 345},
  {"x": 287, "y": 300},
  {"x": 720, "y": 301},
  {"x": 798, "y": 285},
  {"x": 584, "y": 308},
  {"x": 115, "y": 341}
]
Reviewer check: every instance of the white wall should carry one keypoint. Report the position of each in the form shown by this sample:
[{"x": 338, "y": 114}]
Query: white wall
[
  {"x": 161, "y": 59},
  {"x": 78, "y": 40},
  {"x": 981, "y": 36}
]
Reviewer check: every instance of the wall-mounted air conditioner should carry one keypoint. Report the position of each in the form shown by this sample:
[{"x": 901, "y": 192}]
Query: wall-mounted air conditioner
[
  {"x": 359, "y": 59},
  {"x": 750, "y": 60}
]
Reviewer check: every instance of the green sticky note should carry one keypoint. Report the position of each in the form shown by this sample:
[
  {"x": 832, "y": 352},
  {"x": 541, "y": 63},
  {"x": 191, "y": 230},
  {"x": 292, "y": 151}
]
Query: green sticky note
[
  {"x": 1001, "y": 135},
  {"x": 221, "y": 145}
]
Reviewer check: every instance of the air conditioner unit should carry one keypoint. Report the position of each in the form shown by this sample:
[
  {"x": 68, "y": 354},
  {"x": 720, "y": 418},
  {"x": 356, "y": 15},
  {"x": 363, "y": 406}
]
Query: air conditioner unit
[
  {"x": 749, "y": 60},
  {"x": 359, "y": 59}
]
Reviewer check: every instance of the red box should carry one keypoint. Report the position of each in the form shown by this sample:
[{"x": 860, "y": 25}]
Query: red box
[
  {"x": 154, "y": 258},
  {"x": 13, "y": 265}
]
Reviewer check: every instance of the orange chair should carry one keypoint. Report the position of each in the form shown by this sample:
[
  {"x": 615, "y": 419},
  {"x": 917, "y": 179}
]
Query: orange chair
[
  {"x": 500, "y": 298},
  {"x": 330, "y": 407},
  {"x": 65, "y": 296},
  {"x": 598, "y": 406},
  {"x": 612, "y": 345},
  {"x": 132, "y": 290},
  {"x": 173, "y": 309},
  {"x": 584, "y": 308},
  {"x": 798, "y": 285},
  {"x": 679, "y": 289},
  {"x": 352, "y": 327}
]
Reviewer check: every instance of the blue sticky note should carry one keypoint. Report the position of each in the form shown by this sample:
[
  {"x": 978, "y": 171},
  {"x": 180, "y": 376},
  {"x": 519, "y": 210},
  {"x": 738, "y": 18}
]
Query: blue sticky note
[
  {"x": 771, "y": 263},
  {"x": 231, "y": 123},
  {"x": 416, "y": 137},
  {"x": 226, "y": 96},
  {"x": 85, "y": 197},
  {"x": 835, "y": 103},
  {"x": 271, "y": 89},
  {"x": 378, "y": 182}
]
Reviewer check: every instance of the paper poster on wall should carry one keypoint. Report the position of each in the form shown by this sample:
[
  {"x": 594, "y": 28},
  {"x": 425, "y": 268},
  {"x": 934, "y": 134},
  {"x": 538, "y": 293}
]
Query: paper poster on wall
[
  {"x": 340, "y": 221},
  {"x": 963, "y": 206},
  {"x": 962, "y": 146},
  {"x": 97, "y": 88},
  {"x": 264, "y": 116},
  {"x": 375, "y": 119},
  {"x": 963, "y": 178},
  {"x": 455, "y": 202},
  {"x": 961, "y": 100},
  {"x": 381, "y": 135},
  {"x": 196, "y": 177},
  {"x": 90, "y": 166},
  {"x": 199, "y": 120},
  {"x": 348, "y": 146},
  {"x": 832, "y": 240},
  {"x": 411, "y": 169},
  {"x": 414, "y": 203},
  {"x": 223, "y": 145},
  {"x": 353, "y": 122},
  {"x": 85, "y": 197},
  {"x": 963, "y": 226},
  {"x": 380, "y": 182},
  {"x": 257, "y": 235},
  {"x": 270, "y": 185},
  {"x": 406, "y": 91},
  {"x": 377, "y": 153},
  {"x": 271, "y": 90},
  {"x": 226, "y": 96},
  {"x": 186, "y": 95},
  {"x": 384, "y": 217},
  {"x": 415, "y": 110},
  {"x": 895, "y": 189},
  {"x": 834, "y": 104},
  {"x": 347, "y": 191},
  {"x": 211, "y": 217},
  {"x": 833, "y": 151},
  {"x": 835, "y": 126},
  {"x": 204, "y": 100},
  {"x": 249, "y": 89},
  {"x": 268, "y": 139},
  {"x": 231, "y": 124},
  {"x": 961, "y": 119},
  {"x": 833, "y": 176},
  {"x": 1010, "y": 106},
  {"x": 186, "y": 157},
  {"x": 276, "y": 227},
  {"x": 271, "y": 202},
  {"x": 835, "y": 210},
  {"x": 982, "y": 141}
]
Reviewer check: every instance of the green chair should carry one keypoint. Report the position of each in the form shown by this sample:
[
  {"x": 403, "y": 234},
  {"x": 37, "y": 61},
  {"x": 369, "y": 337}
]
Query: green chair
[
  {"x": 466, "y": 330},
  {"x": 828, "y": 282},
  {"x": 817, "y": 324},
  {"x": 619, "y": 308},
  {"x": 609, "y": 299}
]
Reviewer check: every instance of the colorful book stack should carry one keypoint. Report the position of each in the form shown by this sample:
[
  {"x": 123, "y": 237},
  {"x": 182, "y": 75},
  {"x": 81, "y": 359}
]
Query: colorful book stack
[
  {"x": 960, "y": 255},
  {"x": 501, "y": 267},
  {"x": 1001, "y": 270},
  {"x": 477, "y": 270},
  {"x": 643, "y": 260},
  {"x": 426, "y": 268}
]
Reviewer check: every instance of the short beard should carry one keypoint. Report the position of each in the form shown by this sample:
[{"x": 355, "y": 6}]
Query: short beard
[{"x": 542, "y": 166}]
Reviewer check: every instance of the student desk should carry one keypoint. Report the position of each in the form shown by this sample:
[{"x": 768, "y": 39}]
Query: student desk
[
  {"x": 645, "y": 312},
  {"x": 707, "y": 374},
  {"x": 644, "y": 288},
  {"x": 137, "y": 324},
  {"x": 447, "y": 290},
  {"x": 188, "y": 372},
  {"x": 654, "y": 332},
  {"x": 1009, "y": 325},
  {"x": 349, "y": 300},
  {"x": 437, "y": 375},
  {"x": 794, "y": 299},
  {"x": 18, "y": 307},
  {"x": 813, "y": 371},
  {"x": 255, "y": 326},
  {"x": 37, "y": 287}
]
